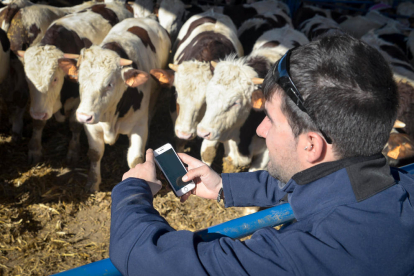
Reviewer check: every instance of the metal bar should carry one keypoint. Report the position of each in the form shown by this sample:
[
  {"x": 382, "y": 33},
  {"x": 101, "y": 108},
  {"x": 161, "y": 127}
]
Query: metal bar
[
  {"x": 247, "y": 225},
  {"x": 237, "y": 228}
]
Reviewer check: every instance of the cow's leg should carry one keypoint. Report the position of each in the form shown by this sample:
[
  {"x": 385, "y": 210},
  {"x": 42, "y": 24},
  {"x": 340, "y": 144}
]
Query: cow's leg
[
  {"x": 95, "y": 153},
  {"x": 233, "y": 160},
  {"x": 35, "y": 144},
  {"x": 137, "y": 140},
  {"x": 74, "y": 144},
  {"x": 208, "y": 151},
  {"x": 17, "y": 123},
  {"x": 260, "y": 162}
]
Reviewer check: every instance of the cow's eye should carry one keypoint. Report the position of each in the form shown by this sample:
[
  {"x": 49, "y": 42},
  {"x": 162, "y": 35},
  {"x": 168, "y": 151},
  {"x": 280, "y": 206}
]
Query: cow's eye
[
  {"x": 110, "y": 85},
  {"x": 55, "y": 80}
]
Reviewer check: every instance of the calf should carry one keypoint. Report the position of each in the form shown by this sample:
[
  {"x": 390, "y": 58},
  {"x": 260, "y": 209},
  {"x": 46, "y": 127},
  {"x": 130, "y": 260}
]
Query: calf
[
  {"x": 319, "y": 25},
  {"x": 51, "y": 92},
  {"x": 7, "y": 13},
  {"x": 27, "y": 27},
  {"x": 253, "y": 28},
  {"x": 233, "y": 92},
  {"x": 172, "y": 15},
  {"x": 203, "y": 38},
  {"x": 116, "y": 90},
  {"x": 241, "y": 13}
]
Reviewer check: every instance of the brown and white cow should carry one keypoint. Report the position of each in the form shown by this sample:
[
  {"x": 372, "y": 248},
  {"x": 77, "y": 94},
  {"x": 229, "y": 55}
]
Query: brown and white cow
[
  {"x": 51, "y": 92},
  {"x": 172, "y": 15},
  {"x": 7, "y": 13},
  {"x": 27, "y": 27},
  {"x": 115, "y": 88},
  {"x": 241, "y": 13},
  {"x": 234, "y": 92},
  {"x": 203, "y": 38},
  {"x": 253, "y": 28},
  {"x": 319, "y": 25}
]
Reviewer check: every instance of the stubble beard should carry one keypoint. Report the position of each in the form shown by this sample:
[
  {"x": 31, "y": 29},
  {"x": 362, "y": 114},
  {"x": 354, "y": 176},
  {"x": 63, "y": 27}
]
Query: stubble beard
[{"x": 281, "y": 172}]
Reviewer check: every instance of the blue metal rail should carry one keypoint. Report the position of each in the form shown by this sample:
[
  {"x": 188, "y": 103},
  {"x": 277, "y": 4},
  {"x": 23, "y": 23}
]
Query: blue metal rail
[{"x": 235, "y": 229}]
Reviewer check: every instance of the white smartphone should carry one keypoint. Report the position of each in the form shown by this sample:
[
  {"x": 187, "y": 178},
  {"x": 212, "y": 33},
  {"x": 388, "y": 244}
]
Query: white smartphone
[{"x": 173, "y": 169}]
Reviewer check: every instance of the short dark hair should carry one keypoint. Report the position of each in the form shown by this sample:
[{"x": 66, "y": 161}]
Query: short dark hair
[{"x": 349, "y": 92}]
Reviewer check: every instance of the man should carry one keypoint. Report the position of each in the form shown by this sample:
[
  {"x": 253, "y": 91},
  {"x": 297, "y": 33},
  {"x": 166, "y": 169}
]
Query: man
[{"x": 330, "y": 107}]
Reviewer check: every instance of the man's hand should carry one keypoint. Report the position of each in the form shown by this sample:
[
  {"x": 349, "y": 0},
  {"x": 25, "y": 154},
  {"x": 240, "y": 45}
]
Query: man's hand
[
  {"x": 146, "y": 171},
  {"x": 208, "y": 182}
]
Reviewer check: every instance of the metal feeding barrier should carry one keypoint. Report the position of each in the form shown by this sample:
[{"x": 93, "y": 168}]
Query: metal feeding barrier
[{"x": 235, "y": 229}]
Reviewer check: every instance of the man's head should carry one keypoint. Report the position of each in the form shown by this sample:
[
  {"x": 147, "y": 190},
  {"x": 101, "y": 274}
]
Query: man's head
[{"x": 349, "y": 97}]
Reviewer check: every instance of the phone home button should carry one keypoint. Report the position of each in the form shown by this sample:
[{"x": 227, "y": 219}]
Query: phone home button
[{"x": 185, "y": 189}]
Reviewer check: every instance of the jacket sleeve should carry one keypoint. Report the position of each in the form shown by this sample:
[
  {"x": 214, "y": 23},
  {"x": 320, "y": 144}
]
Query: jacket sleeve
[
  {"x": 142, "y": 243},
  {"x": 251, "y": 189}
]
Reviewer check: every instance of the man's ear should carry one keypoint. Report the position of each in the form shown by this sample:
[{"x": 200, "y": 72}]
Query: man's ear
[
  {"x": 258, "y": 100},
  {"x": 134, "y": 77},
  {"x": 314, "y": 147},
  {"x": 165, "y": 77},
  {"x": 68, "y": 66}
]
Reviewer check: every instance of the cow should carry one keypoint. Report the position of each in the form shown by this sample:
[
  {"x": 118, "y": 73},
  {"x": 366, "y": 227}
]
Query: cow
[
  {"x": 141, "y": 8},
  {"x": 241, "y": 13},
  {"x": 319, "y": 25},
  {"x": 27, "y": 27},
  {"x": 203, "y": 38},
  {"x": 172, "y": 15},
  {"x": 253, "y": 28},
  {"x": 116, "y": 90},
  {"x": 51, "y": 92},
  {"x": 7, "y": 13},
  {"x": 235, "y": 101}
]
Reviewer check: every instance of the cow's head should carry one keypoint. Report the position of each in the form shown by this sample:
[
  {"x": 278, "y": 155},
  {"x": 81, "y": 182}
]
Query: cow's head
[
  {"x": 103, "y": 78},
  {"x": 45, "y": 79},
  {"x": 232, "y": 92},
  {"x": 190, "y": 79}
]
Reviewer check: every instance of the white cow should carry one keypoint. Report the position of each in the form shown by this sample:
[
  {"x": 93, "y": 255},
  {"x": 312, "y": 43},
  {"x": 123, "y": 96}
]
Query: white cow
[
  {"x": 203, "y": 38},
  {"x": 233, "y": 92},
  {"x": 51, "y": 92},
  {"x": 115, "y": 88}
]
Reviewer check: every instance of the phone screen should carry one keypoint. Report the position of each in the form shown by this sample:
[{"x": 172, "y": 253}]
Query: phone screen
[{"x": 173, "y": 169}]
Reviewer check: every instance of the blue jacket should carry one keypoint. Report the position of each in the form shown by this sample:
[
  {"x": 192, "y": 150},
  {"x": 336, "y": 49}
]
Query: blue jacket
[{"x": 354, "y": 217}]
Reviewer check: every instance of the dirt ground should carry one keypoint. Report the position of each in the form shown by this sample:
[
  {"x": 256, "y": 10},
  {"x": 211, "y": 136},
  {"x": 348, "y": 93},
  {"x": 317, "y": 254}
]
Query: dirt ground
[{"x": 49, "y": 224}]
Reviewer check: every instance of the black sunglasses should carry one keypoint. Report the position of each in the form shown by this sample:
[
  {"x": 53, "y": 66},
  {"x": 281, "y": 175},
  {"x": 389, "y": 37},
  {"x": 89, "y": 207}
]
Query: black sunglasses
[{"x": 281, "y": 74}]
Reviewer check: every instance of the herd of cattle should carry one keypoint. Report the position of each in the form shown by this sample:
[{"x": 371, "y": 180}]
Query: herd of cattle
[{"x": 102, "y": 65}]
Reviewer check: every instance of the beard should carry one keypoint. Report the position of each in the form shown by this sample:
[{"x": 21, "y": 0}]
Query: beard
[{"x": 284, "y": 170}]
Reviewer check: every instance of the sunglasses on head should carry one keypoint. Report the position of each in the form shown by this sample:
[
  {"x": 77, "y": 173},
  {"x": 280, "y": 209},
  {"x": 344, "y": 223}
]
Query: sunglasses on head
[{"x": 283, "y": 79}]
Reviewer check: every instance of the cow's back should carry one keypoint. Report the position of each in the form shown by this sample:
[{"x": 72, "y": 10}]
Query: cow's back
[
  {"x": 141, "y": 40},
  {"x": 84, "y": 28},
  {"x": 207, "y": 36}
]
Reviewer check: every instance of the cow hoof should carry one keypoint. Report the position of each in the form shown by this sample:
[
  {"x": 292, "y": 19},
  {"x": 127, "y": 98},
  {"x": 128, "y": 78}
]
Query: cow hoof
[
  {"x": 92, "y": 187},
  {"x": 35, "y": 156}
]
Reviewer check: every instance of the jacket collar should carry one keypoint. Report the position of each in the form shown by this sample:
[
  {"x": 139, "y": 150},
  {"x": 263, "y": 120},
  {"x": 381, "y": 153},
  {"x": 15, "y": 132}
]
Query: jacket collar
[{"x": 334, "y": 183}]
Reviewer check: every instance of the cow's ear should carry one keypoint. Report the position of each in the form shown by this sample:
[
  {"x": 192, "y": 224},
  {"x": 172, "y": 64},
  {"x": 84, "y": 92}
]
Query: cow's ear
[
  {"x": 135, "y": 77},
  {"x": 68, "y": 66},
  {"x": 165, "y": 77},
  {"x": 20, "y": 54},
  {"x": 258, "y": 100}
]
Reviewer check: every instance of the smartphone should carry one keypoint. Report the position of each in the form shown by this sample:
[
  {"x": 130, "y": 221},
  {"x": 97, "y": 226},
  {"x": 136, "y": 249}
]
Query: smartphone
[{"x": 173, "y": 169}]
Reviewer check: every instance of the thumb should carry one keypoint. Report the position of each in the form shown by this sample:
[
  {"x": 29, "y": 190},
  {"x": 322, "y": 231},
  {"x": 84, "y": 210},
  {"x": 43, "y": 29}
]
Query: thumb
[{"x": 197, "y": 172}]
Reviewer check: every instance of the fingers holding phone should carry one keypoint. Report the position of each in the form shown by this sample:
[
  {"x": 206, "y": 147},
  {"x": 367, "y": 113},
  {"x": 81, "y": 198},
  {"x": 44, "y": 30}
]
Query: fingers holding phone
[
  {"x": 208, "y": 182},
  {"x": 146, "y": 171}
]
